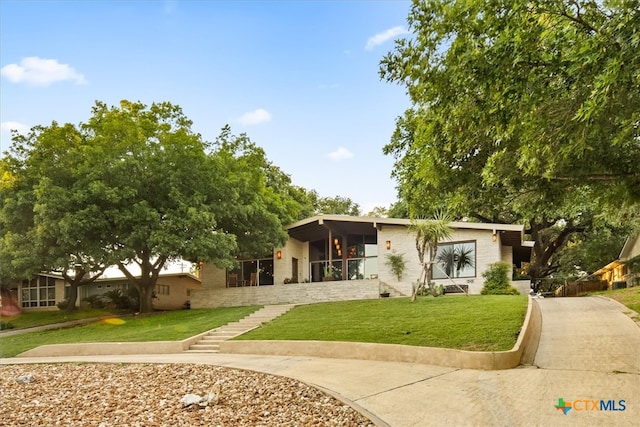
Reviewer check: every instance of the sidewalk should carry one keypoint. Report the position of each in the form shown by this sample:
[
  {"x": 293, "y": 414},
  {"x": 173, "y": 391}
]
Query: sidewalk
[{"x": 411, "y": 394}]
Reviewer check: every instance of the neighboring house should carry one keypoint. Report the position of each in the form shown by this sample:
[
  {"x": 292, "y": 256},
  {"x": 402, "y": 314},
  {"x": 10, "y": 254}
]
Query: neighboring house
[
  {"x": 617, "y": 273},
  {"x": 333, "y": 257},
  {"x": 44, "y": 291}
]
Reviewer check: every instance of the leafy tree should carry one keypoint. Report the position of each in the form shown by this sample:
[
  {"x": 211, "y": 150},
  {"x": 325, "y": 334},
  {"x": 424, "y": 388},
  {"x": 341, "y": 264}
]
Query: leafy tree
[
  {"x": 51, "y": 218},
  {"x": 522, "y": 111},
  {"x": 379, "y": 212},
  {"x": 256, "y": 203},
  {"x": 337, "y": 205}
]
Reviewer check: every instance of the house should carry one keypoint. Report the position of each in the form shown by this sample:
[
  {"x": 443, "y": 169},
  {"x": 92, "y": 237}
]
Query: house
[
  {"x": 338, "y": 257},
  {"x": 617, "y": 274},
  {"x": 46, "y": 290}
]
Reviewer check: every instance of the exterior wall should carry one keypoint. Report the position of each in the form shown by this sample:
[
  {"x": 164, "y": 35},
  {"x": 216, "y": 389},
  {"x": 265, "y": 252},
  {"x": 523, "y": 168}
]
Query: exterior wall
[
  {"x": 180, "y": 288},
  {"x": 282, "y": 268},
  {"x": 633, "y": 277},
  {"x": 506, "y": 254},
  {"x": 292, "y": 293},
  {"x": 402, "y": 242},
  {"x": 213, "y": 277}
]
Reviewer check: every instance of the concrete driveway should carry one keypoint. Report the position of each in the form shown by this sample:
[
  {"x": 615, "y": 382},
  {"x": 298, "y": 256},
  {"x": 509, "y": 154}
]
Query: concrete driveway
[{"x": 589, "y": 351}]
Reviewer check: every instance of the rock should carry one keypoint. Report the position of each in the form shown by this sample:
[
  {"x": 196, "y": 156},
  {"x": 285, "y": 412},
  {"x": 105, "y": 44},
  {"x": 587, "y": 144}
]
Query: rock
[
  {"x": 190, "y": 400},
  {"x": 25, "y": 379}
]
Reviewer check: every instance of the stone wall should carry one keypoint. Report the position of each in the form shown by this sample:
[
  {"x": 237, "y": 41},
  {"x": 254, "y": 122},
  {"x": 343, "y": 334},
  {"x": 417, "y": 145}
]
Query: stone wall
[{"x": 292, "y": 293}]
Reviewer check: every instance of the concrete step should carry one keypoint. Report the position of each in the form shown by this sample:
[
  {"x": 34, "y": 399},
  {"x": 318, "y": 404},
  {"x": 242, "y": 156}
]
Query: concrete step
[
  {"x": 211, "y": 341},
  {"x": 208, "y": 347}
]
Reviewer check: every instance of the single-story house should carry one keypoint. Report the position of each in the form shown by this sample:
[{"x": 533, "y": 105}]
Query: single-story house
[
  {"x": 617, "y": 273},
  {"x": 338, "y": 257},
  {"x": 46, "y": 290}
]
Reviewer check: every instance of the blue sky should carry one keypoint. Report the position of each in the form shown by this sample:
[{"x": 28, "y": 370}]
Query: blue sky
[{"x": 300, "y": 78}]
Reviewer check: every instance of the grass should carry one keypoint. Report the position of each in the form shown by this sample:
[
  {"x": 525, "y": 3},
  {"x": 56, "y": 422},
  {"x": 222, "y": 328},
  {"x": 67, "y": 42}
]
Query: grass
[
  {"x": 166, "y": 326},
  {"x": 477, "y": 323},
  {"x": 628, "y": 296},
  {"x": 39, "y": 318}
]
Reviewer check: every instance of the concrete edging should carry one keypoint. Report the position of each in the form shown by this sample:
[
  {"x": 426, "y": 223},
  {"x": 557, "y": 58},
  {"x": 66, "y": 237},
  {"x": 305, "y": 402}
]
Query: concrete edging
[
  {"x": 113, "y": 348},
  {"x": 523, "y": 350}
]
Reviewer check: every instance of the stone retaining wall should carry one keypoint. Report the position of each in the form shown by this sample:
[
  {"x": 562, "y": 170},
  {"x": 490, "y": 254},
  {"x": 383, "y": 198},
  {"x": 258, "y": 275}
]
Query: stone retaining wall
[{"x": 291, "y": 293}]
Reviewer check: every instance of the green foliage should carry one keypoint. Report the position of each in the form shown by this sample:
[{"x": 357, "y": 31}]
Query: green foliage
[
  {"x": 6, "y": 325},
  {"x": 396, "y": 263},
  {"x": 477, "y": 323},
  {"x": 496, "y": 280},
  {"x": 95, "y": 301},
  {"x": 118, "y": 300},
  {"x": 135, "y": 185},
  {"x": 522, "y": 112},
  {"x": 427, "y": 235}
]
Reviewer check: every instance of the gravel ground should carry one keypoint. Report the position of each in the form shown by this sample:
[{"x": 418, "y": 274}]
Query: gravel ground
[{"x": 148, "y": 395}]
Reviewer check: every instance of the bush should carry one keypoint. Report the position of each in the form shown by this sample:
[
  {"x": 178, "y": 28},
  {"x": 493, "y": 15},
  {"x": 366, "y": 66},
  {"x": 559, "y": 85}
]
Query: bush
[
  {"x": 95, "y": 301},
  {"x": 118, "y": 300},
  {"x": 62, "y": 305},
  {"x": 6, "y": 325},
  {"x": 496, "y": 280}
]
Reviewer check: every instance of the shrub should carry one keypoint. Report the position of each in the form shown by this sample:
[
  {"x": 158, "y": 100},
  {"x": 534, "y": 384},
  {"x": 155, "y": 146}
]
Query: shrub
[
  {"x": 116, "y": 299},
  {"x": 496, "y": 280},
  {"x": 62, "y": 305},
  {"x": 396, "y": 263},
  {"x": 95, "y": 301},
  {"x": 6, "y": 325}
]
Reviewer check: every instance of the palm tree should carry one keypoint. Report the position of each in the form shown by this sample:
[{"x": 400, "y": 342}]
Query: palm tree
[{"x": 428, "y": 234}]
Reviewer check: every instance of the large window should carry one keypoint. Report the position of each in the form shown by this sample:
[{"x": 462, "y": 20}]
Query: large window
[
  {"x": 253, "y": 272},
  {"x": 39, "y": 292},
  {"x": 455, "y": 260},
  {"x": 357, "y": 253}
]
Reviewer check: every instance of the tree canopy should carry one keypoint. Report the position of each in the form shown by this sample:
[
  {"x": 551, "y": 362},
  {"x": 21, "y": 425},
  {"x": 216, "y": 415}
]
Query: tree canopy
[
  {"x": 522, "y": 112},
  {"x": 136, "y": 187}
]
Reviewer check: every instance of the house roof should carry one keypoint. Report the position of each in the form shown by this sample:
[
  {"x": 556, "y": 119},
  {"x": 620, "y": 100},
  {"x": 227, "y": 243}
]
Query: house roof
[
  {"x": 316, "y": 227},
  {"x": 611, "y": 266},
  {"x": 627, "y": 250}
]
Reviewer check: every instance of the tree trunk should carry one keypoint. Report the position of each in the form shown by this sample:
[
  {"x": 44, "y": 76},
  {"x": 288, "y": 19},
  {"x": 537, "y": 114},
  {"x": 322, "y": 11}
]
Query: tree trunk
[
  {"x": 73, "y": 297},
  {"x": 146, "y": 297}
]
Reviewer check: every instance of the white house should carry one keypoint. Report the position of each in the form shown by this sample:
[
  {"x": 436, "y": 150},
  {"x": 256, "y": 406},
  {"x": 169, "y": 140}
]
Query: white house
[{"x": 337, "y": 257}]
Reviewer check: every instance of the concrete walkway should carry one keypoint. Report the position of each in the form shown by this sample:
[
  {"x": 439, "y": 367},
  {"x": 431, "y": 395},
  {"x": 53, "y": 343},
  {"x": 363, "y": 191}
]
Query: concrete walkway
[{"x": 586, "y": 352}]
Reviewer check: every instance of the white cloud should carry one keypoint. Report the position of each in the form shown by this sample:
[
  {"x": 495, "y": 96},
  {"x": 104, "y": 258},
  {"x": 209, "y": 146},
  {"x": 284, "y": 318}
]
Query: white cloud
[
  {"x": 255, "y": 117},
  {"x": 9, "y": 126},
  {"x": 340, "y": 154},
  {"x": 40, "y": 72},
  {"x": 384, "y": 36}
]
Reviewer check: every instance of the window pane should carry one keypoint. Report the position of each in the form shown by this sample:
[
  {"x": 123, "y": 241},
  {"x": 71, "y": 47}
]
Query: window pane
[{"x": 455, "y": 260}]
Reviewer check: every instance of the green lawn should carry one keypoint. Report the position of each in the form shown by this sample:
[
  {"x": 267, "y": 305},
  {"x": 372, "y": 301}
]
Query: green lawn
[
  {"x": 628, "y": 296},
  {"x": 479, "y": 323},
  {"x": 166, "y": 326},
  {"x": 38, "y": 318}
]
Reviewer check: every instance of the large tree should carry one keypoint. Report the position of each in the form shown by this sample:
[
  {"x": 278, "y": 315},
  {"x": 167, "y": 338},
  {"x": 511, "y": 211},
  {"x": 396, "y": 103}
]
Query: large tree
[
  {"x": 136, "y": 187},
  {"x": 50, "y": 217},
  {"x": 522, "y": 111}
]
